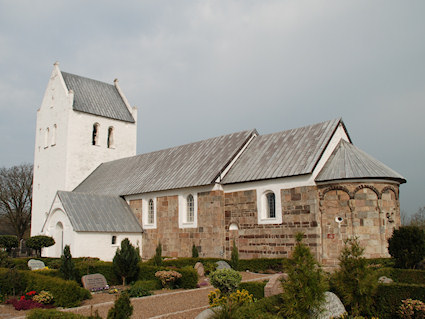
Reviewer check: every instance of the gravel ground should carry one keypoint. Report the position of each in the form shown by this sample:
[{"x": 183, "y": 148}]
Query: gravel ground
[{"x": 165, "y": 304}]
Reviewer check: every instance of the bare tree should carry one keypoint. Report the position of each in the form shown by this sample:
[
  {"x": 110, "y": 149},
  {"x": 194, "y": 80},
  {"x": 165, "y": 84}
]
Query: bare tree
[
  {"x": 418, "y": 219},
  {"x": 16, "y": 197}
]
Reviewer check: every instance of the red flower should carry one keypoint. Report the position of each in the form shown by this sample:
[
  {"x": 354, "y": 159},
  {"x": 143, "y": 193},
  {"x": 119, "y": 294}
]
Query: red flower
[{"x": 22, "y": 297}]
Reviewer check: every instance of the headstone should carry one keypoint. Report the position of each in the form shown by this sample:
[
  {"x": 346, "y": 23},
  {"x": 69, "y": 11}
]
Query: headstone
[
  {"x": 200, "y": 269},
  {"x": 207, "y": 313},
  {"x": 35, "y": 264},
  {"x": 274, "y": 285},
  {"x": 385, "y": 280},
  {"x": 333, "y": 307},
  {"x": 94, "y": 282},
  {"x": 223, "y": 265}
]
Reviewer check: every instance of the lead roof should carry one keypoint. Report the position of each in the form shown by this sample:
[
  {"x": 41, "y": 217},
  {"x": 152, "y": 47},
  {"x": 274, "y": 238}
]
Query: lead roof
[
  {"x": 349, "y": 162},
  {"x": 99, "y": 213},
  {"x": 98, "y": 98}
]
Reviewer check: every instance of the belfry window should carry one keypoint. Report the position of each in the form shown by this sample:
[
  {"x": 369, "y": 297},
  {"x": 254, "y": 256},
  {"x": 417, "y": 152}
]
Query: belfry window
[
  {"x": 190, "y": 214},
  {"x": 271, "y": 205},
  {"x": 151, "y": 212},
  {"x": 110, "y": 141},
  {"x": 114, "y": 240},
  {"x": 95, "y": 134},
  {"x": 46, "y": 138}
]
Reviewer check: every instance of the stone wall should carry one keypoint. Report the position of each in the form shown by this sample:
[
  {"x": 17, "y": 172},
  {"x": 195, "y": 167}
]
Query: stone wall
[
  {"x": 369, "y": 211},
  {"x": 254, "y": 240},
  {"x": 177, "y": 242}
]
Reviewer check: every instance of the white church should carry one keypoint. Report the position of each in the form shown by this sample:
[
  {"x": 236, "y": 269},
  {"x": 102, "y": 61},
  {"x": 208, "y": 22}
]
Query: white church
[{"x": 91, "y": 190}]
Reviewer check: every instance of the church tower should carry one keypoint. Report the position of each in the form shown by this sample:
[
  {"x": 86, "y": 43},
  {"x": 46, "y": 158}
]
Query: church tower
[{"x": 81, "y": 124}]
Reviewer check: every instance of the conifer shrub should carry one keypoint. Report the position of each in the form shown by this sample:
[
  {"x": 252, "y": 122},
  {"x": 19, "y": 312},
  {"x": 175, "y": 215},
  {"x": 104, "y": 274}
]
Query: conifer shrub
[
  {"x": 195, "y": 253},
  {"x": 122, "y": 308},
  {"x": 234, "y": 258},
  {"x": 157, "y": 258},
  {"x": 355, "y": 283},
  {"x": 407, "y": 246},
  {"x": 67, "y": 267},
  {"x": 226, "y": 280},
  {"x": 126, "y": 260},
  {"x": 304, "y": 289}
]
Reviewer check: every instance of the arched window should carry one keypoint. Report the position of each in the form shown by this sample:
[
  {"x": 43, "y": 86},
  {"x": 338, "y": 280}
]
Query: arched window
[
  {"x": 110, "y": 141},
  {"x": 95, "y": 135},
  {"x": 114, "y": 240},
  {"x": 151, "y": 212},
  {"x": 271, "y": 205},
  {"x": 46, "y": 138},
  {"x": 190, "y": 213},
  {"x": 54, "y": 134}
]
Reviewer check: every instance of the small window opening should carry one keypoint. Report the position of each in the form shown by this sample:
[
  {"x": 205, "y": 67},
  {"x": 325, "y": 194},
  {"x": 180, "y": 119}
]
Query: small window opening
[
  {"x": 190, "y": 209},
  {"x": 114, "y": 240},
  {"x": 110, "y": 141},
  {"x": 271, "y": 205},
  {"x": 95, "y": 135},
  {"x": 151, "y": 212},
  {"x": 46, "y": 138},
  {"x": 54, "y": 134}
]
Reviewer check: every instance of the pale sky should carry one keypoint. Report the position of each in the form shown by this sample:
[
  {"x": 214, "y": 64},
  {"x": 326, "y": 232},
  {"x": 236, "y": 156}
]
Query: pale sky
[{"x": 199, "y": 69}]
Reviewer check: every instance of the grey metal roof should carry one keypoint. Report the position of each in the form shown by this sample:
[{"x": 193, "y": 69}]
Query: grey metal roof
[
  {"x": 288, "y": 153},
  {"x": 99, "y": 213},
  {"x": 194, "y": 164},
  {"x": 98, "y": 98},
  {"x": 349, "y": 162}
]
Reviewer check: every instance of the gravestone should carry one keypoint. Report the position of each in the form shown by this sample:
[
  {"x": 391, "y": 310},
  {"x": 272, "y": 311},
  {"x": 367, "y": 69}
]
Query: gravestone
[
  {"x": 35, "y": 264},
  {"x": 333, "y": 307},
  {"x": 200, "y": 269},
  {"x": 94, "y": 282},
  {"x": 223, "y": 265},
  {"x": 274, "y": 285},
  {"x": 385, "y": 280}
]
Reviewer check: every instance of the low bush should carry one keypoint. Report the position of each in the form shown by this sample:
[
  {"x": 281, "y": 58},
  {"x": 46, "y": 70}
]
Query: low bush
[
  {"x": 380, "y": 262},
  {"x": 261, "y": 264},
  {"x": 168, "y": 278},
  {"x": 189, "y": 278},
  {"x": 143, "y": 288},
  {"x": 256, "y": 288},
  {"x": 147, "y": 271},
  {"x": 266, "y": 308},
  {"x": 52, "y": 314},
  {"x": 122, "y": 308},
  {"x": 12, "y": 282},
  {"x": 389, "y": 297},
  {"x": 226, "y": 280},
  {"x": 102, "y": 267}
]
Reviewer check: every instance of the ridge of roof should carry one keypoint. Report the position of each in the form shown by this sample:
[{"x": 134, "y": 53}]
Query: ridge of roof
[
  {"x": 287, "y": 153},
  {"x": 349, "y": 162},
  {"x": 97, "y": 98},
  {"x": 194, "y": 164}
]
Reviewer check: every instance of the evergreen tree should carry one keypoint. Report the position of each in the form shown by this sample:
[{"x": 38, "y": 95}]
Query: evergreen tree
[
  {"x": 195, "y": 253},
  {"x": 122, "y": 308},
  {"x": 234, "y": 259},
  {"x": 355, "y": 282},
  {"x": 304, "y": 289},
  {"x": 67, "y": 267},
  {"x": 157, "y": 259},
  {"x": 126, "y": 260},
  {"x": 407, "y": 246}
]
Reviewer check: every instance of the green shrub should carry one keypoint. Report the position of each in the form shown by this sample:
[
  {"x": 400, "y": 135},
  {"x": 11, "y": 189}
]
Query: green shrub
[
  {"x": 256, "y": 288},
  {"x": 388, "y": 297},
  {"x": 226, "y": 280},
  {"x": 195, "y": 253},
  {"x": 157, "y": 259},
  {"x": 304, "y": 289},
  {"x": 234, "y": 258},
  {"x": 52, "y": 314},
  {"x": 266, "y": 308},
  {"x": 102, "y": 267},
  {"x": 147, "y": 272},
  {"x": 261, "y": 264},
  {"x": 20, "y": 263},
  {"x": 126, "y": 261},
  {"x": 149, "y": 285},
  {"x": 39, "y": 242},
  {"x": 67, "y": 267},
  {"x": 406, "y": 276},
  {"x": 407, "y": 246},
  {"x": 12, "y": 282},
  {"x": 5, "y": 260},
  {"x": 378, "y": 263},
  {"x": 8, "y": 242},
  {"x": 122, "y": 308},
  {"x": 189, "y": 278},
  {"x": 142, "y": 288}
]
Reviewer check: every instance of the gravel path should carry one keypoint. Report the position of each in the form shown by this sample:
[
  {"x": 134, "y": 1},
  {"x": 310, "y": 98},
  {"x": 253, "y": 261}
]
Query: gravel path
[{"x": 180, "y": 304}]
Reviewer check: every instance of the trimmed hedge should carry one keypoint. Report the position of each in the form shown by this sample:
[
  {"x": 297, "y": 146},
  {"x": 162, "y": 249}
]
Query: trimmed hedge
[
  {"x": 256, "y": 288},
  {"x": 187, "y": 261},
  {"x": 388, "y": 298},
  {"x": 189, "y": 278},
  {"x": 407, "y": 276},
  {"x": 52, "y": 314},
  {"x": 66, "y": 293},
  {"x": 148, "y": 284},
  {"x": 261, "y": 264}
]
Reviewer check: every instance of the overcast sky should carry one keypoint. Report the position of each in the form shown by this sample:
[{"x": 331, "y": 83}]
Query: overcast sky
[{"x": 199, "y": 69}]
